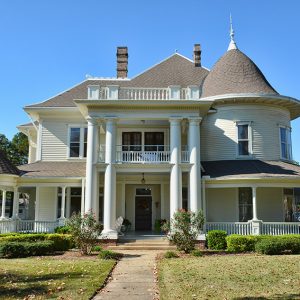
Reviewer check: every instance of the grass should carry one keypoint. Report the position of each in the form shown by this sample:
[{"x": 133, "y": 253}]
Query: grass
[
  {"x": 230, "y": 277},
  {"x": 52, "y": 277}
]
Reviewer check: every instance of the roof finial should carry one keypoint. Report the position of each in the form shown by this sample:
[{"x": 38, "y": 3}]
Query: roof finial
[{"x": 232, "y": 44}]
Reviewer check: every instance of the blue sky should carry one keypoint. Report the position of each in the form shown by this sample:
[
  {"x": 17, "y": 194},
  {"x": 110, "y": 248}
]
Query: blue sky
[{"x": 48, "y": 46}]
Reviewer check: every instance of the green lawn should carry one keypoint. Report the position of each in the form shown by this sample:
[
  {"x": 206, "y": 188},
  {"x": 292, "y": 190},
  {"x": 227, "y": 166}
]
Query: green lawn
[
  {"x": 52, "y": 277},
  {"x": 230, "y": 277}
]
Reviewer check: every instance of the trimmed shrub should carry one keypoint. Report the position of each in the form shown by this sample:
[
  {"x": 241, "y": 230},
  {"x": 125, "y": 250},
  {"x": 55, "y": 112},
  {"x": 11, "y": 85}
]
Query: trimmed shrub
[
  {"x": 62, "y": 242},
  {"x": 216, "y": 239},
  {"x": 171, "y": 254},
  {"x": 197, "y": 253},
  {"x": 25, "y": 249},
  {"x": 241, "y": 243},
  {"x": 108, "y": 254},
  {"x": 277, "y": 245},
  {"x": 62, "y": 230}
]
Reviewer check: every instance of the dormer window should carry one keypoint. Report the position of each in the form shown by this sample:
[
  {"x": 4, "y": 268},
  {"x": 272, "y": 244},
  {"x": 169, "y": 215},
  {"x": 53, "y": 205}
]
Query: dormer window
[
  {"x": 93, "y": 92},
  {"x": 285, "y": 143},
  {"x": 193, "y": 92},
  {"x": 244, "y": 143}
]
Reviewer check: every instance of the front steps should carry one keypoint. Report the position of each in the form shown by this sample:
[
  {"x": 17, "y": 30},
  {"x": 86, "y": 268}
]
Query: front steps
[{"x": 142, "y": 244}]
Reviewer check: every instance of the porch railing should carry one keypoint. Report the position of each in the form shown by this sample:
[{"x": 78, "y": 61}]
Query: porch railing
[
  {"x": 30, "y": 226},
  {"x": 278, "y": 228},
  {"x": 257, "y": 227},
  {"x": 230, "y": 227},
  {"x": 143, "y": 154}
]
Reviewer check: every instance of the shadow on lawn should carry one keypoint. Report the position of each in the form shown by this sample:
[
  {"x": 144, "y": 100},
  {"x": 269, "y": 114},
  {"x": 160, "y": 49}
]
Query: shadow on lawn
[
  {"x": 31, "y": 284},
  {"x": 275, "y": 297}
]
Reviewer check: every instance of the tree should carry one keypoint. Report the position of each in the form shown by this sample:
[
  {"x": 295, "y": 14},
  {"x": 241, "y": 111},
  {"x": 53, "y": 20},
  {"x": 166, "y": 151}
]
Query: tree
[{"x": 17, "y": 149}]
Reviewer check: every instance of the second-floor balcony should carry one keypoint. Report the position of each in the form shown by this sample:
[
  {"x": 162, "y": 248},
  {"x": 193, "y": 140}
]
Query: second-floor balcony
[
  {"x": 114, "y": 92},
  {"x": 144, "y": 154}
]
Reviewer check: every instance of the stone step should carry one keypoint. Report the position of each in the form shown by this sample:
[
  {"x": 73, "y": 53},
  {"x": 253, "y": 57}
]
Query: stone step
[{"x": 141, "y": 247}]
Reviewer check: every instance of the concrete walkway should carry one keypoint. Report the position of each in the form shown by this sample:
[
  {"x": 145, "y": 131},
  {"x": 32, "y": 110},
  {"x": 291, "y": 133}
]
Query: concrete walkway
[{"x": 133, "y": 277}]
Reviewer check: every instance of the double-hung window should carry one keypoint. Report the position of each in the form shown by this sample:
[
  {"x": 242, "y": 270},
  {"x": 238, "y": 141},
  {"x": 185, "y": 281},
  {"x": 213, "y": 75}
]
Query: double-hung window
[
  {"x": 244, "y": 143},
  {"x": 285, "y": 143},
  {"x": 78, "y": 142}
]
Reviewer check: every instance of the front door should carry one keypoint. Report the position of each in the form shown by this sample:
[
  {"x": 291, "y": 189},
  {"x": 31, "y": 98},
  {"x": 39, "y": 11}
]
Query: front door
[{"x": 143, "y": 209}]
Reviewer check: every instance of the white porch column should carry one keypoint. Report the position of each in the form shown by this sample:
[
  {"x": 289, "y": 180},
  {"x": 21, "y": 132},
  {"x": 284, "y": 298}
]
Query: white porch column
[
  {"x": 176, "y": 174},
  {"x": 195, "y": 171},
  {"x": 63, "y": 203},
  {"x": 15, "y": 214},
  {"x": 3, "y": 205},
  {"x": 90, "y": 168},
  {"x": 109, "y": 217},
  {"x": 254, "y": 205},
  {"x": 82, "y": 196},
  {"x": 68, "y": 206}
]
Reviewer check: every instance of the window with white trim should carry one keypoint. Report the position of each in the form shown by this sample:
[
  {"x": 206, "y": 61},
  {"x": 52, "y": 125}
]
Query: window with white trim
[
  {"x": 78, "y": 142},
  {"x": 285, "y": 143},
  {"x": 243, "y": 139}
]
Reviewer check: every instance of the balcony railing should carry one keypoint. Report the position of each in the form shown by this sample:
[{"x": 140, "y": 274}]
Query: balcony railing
[
  {"x": 134, "y": 93},
  {"x": 146, "y": 154}
]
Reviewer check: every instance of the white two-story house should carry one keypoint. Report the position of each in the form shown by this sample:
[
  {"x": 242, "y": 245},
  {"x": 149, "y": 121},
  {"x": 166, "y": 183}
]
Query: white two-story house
[{"x": 175, "y": 136}]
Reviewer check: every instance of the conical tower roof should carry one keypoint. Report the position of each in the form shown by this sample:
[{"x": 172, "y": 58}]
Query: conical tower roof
[{"x": 236, "y": 73}]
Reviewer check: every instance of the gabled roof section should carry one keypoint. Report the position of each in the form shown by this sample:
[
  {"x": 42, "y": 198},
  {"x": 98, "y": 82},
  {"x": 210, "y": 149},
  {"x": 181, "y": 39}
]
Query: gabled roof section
[
  {"x": 6, "y": 167},
  {"x": 175, "y": 70}
]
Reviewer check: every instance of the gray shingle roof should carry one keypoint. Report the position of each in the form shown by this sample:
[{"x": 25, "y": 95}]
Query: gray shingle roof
[
  {"x": 235, "y": 73},
  {"x": 6, "y": 167},
  {"x": 175, "y": 70},
  {"x": 54, "y": 169},
  {"x": 239, "y": 169}
]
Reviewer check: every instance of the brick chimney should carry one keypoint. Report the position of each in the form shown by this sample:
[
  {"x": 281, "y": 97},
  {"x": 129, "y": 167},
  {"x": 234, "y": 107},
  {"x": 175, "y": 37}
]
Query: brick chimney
[
  {"x": 122, "y": 62},
  {"x": 197, "y": 55}
]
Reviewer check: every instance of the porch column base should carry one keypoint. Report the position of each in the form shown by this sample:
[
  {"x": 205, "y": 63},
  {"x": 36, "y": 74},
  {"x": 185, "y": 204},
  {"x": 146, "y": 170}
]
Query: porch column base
[
  {"x": 109, "y": 235},
  {"x": 4, "y": 219},
  {"x": 256, "y": 227},
  {"x": 61, "y": 221}
]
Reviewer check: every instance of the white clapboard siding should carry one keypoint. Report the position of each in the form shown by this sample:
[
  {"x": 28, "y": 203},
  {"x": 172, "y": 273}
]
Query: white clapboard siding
[
  {"x": 54, "y": 141},
  {"x": 219, "y": 133},
  {"x": 47, "y": 204}
]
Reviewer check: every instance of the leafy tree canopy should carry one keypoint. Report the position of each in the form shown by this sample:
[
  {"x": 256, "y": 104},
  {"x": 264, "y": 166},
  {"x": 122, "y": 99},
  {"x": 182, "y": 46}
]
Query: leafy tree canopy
[{"x": 16, "y": 150}]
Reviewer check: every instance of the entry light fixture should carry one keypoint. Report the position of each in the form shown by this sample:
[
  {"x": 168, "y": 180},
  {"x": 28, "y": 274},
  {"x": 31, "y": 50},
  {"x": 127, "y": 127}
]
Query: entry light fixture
[{"x": 143, "y": 181}]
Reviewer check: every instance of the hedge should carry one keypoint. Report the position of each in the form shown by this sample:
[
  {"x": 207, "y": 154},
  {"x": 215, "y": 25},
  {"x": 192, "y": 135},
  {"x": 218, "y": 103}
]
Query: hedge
[
  {"x": 62, "y": 242},
  {"x": 24, "y": 249},
  {"x": 263, "y": 243},
  {"x": 278, "y": 245},
  {"x": 216, "y": 239}
]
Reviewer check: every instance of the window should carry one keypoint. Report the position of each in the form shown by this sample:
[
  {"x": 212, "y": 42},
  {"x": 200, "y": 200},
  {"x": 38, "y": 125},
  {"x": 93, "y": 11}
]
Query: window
[
  {"x": 78, "y": 142},
  {"x": 154, "y": 141},
  {"x": 245, "y": 204},
  {"x": 93, "y": 92},
  {"x": 285, "y": 143},
  {"x": 244, "y": 141}
]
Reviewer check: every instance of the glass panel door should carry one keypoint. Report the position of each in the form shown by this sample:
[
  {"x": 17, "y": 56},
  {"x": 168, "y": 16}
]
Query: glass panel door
[
  {"x": 131, "y": 141},
  {"x": 154, "y": 141}
]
